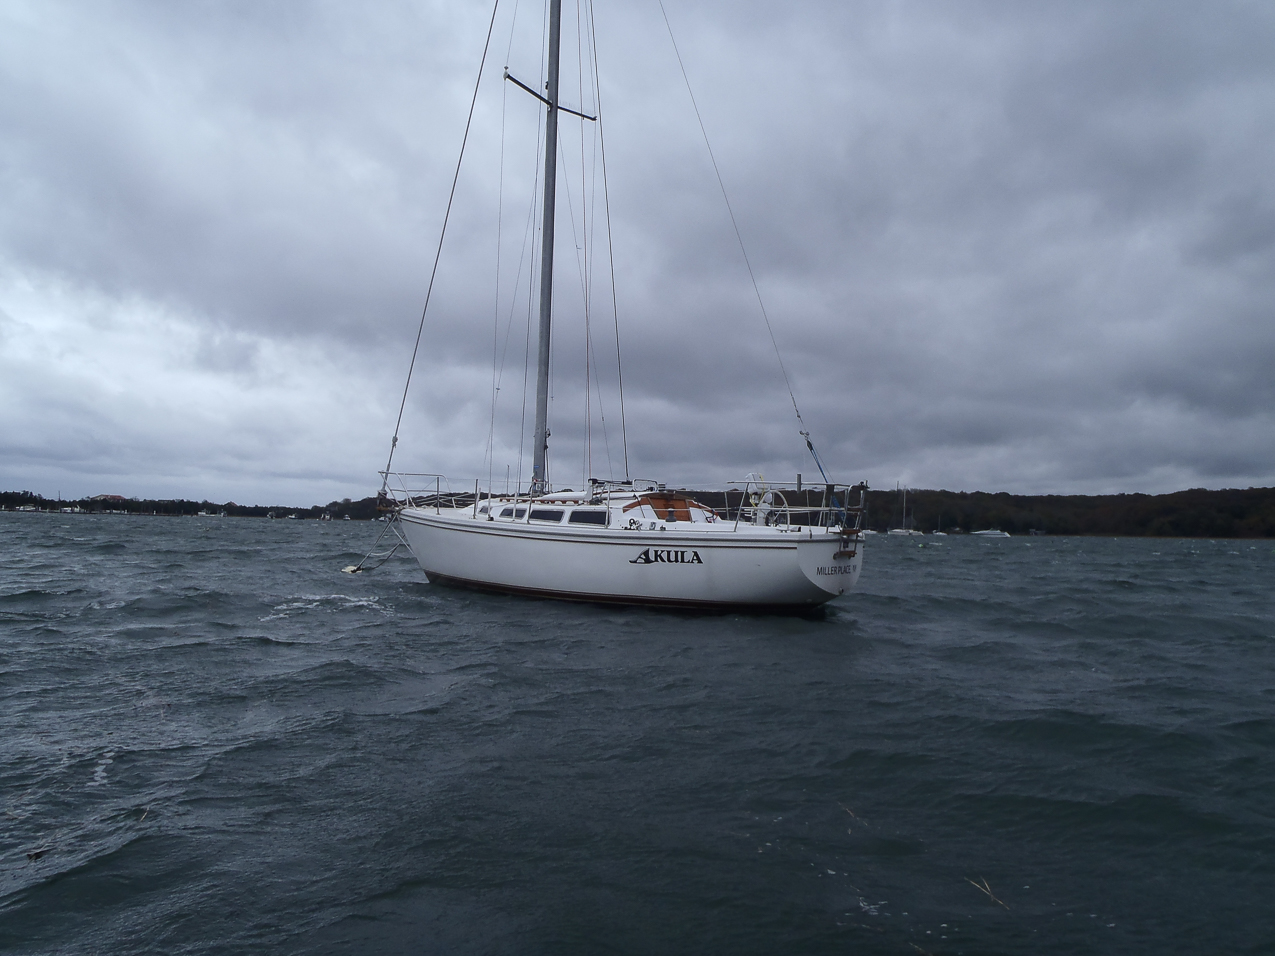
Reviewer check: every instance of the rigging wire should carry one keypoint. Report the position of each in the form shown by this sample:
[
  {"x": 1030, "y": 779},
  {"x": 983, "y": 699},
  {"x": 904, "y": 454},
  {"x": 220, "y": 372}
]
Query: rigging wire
[
  {"x": 500, "y": 357},
  {"x": 531, "y": 272},
  {"x": 526, "y": 365},
  {"x": 584, "y": 262},
  {"x": 513, "y": 305},
  {"x": 580, "y": 244},
  {"x": 586, "y": 271},
  {"x": 438, "y": 254},
  {"x": 513, "y": 25},
  {"x": 591, "y": 236},
  {"x": 526, "y": 348},
  {"x": 495, "y": 325},
  {"x": 606, "y": 197},
  {"x": 584, "y": 244},
  {"x": 803, "y": 431},
  {"x": 589, "y": 200}
]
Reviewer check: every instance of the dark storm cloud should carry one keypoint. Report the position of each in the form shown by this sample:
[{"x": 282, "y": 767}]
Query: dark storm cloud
[
  {"x": 1010, "y": 246},
  {"x": 236, "y": 159}
]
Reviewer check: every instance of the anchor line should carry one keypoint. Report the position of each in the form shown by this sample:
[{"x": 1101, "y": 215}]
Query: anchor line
[{"x": 391, "y": 525}]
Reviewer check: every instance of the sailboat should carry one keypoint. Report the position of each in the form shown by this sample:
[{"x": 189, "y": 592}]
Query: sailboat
[
  {"x": 904, "y": 529},
  {"x": 765, "y": 544}
]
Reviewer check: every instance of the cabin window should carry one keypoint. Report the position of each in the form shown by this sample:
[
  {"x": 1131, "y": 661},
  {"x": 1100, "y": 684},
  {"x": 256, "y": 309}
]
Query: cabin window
[
  {"x": 509, "y": 512},
  {"x": 482, "y": 510},
  {"x": 546, "y": 514},
  {"x": 588, "y": 517}
]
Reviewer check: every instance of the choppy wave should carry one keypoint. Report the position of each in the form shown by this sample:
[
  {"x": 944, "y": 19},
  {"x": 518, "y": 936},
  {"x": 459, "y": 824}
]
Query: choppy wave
[{"x": 216, "y": 742}]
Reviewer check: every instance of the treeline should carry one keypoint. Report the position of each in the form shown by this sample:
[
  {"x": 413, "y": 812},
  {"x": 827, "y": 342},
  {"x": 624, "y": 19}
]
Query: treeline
[
  {"x": 362, "y": 510},
  {"x": 1198, "y": 513}
]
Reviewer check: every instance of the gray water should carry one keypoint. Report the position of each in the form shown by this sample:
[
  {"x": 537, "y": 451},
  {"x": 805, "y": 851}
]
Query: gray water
[{"x": 215, "y": 742}]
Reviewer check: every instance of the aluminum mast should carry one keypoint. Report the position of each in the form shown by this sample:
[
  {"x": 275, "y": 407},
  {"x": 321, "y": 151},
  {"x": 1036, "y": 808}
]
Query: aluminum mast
[{"x": 539, "y": 485}]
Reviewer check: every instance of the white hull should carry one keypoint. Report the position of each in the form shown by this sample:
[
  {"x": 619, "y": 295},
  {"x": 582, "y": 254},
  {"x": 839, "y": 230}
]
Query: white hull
[{"x": 691, "y": 565}]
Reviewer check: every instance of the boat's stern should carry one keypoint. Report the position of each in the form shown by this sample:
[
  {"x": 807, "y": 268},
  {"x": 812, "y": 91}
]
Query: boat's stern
[{"x": 831, "y": 561}]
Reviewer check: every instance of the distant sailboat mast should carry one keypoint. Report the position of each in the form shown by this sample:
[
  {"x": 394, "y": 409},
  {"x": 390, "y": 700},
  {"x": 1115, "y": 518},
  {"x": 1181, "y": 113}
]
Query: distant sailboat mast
[{"x": 539, "y": 474}]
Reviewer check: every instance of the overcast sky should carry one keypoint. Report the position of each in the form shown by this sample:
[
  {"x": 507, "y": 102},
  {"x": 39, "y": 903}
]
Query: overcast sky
[{"x": 1003, "y": 246}]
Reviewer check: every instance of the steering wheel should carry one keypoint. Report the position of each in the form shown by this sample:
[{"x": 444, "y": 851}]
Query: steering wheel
[{"x": 774, "y": 509}]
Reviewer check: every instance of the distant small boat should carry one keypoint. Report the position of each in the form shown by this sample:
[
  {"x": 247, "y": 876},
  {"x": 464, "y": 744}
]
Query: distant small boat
[
  {"x": 905, "y": 529},
  {"x": 992, "y": 533}
]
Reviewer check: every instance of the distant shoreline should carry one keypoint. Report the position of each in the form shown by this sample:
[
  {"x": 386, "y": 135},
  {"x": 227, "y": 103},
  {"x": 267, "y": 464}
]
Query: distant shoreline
[
  {"x": 361, "y": 510},
  {"x": 1196, "y": 513}
]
